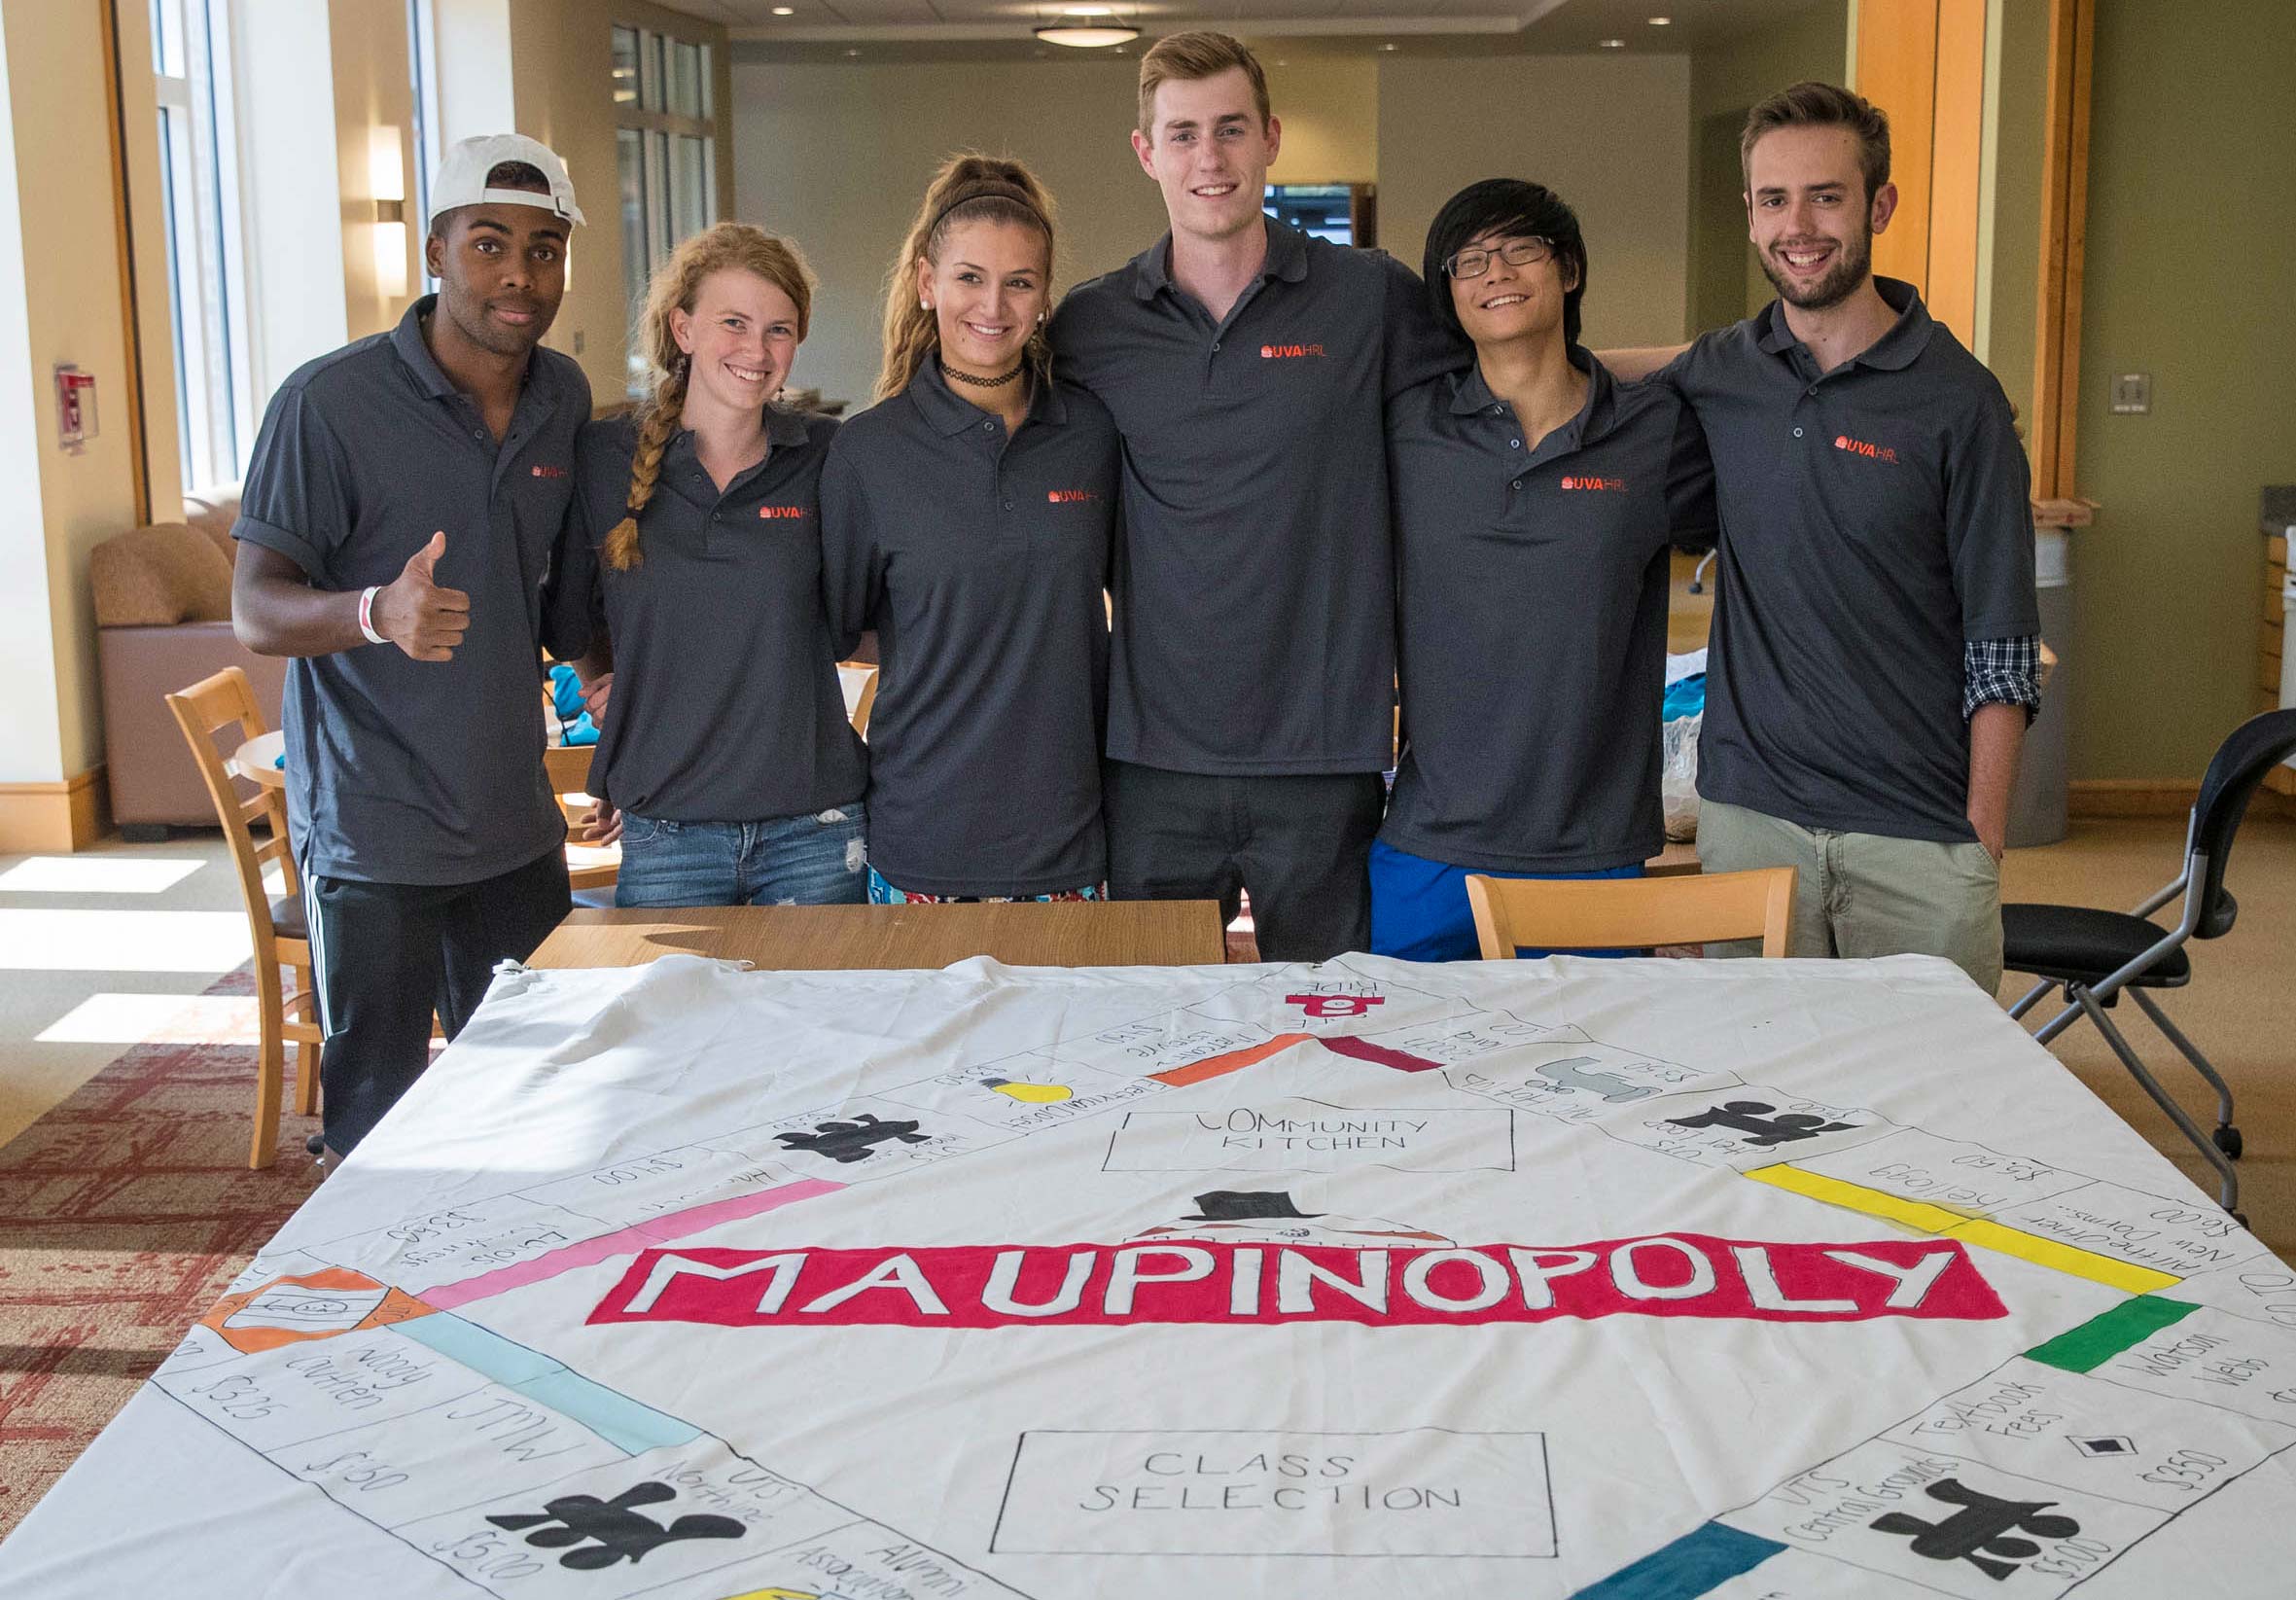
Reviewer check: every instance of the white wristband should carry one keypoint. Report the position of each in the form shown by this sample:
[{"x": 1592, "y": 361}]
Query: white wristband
[{"x": 367, "y": 616}]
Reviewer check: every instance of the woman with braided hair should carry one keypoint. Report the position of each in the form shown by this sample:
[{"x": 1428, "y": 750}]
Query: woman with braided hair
[
  {"x": 724, "y": 743},
  {"x": 967, "y": 519}
]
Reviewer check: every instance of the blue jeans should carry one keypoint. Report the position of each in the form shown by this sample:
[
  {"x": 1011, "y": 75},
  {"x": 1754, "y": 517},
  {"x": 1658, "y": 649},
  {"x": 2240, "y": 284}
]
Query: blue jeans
[
  {"x": 820, "y": 859},
  {"x": 882, "y": 893},
  {"x": 1419, "y": 910}
]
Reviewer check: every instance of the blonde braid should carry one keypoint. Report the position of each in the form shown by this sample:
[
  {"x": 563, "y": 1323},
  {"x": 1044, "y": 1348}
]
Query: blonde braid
[{"x": 663, "y": 413}]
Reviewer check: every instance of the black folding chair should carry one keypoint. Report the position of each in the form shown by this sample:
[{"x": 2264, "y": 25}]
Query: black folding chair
[{"x": 2094, "y": 954}]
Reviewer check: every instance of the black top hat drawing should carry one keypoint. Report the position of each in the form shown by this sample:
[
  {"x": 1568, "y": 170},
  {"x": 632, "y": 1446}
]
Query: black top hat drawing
[{"x": 1232, "y": 1205}]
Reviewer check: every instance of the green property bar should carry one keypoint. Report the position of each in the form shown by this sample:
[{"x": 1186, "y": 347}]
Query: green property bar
[{"x": 2101, "y": 1338}]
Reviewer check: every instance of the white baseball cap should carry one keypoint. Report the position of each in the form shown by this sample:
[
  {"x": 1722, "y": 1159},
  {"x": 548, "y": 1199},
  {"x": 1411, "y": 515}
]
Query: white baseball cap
[{"x": 461, "y": 179}]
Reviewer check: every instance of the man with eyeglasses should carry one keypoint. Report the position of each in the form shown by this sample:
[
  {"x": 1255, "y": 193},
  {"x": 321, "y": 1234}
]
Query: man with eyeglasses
[
  {"x": 1536, "y": 502},
  {"x": 1247, "y": 365},
  {"x": 405, "y": 505},
  {"x": 1876, "y": 642}
]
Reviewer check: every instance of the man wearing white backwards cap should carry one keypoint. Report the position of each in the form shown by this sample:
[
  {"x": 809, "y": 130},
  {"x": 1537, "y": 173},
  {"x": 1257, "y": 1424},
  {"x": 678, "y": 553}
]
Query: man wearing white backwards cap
[{"x": 406, "y": 506}]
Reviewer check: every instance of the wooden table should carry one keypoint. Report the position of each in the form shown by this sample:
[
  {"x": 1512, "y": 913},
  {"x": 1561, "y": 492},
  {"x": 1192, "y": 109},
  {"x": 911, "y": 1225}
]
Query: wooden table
[
  {"x": 1121, "y": 933},
  {"x": 258, "y": 760},
  {"x": 1679, "y": 858}
]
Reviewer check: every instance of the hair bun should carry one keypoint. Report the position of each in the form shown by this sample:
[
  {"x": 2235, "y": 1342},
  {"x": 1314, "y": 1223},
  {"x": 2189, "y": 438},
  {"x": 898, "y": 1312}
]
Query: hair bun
[{"x": 989, "y": 168}]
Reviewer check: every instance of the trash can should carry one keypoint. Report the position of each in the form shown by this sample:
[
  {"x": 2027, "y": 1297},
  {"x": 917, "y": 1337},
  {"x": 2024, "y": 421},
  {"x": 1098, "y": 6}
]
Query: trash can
[
  {"x": 2036, "y": 803},
  {"x": 2287, "y": 655}
]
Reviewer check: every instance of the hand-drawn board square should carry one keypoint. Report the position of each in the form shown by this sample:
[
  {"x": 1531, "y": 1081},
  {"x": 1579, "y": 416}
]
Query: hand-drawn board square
[
  {"x": 1414, "y": 1492},
  {"x": 1305, "y": 1136}
]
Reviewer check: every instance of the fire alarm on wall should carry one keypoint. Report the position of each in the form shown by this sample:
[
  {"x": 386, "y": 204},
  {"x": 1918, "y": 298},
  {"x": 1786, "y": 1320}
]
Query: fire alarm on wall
[{"x": 75, "y": 406}]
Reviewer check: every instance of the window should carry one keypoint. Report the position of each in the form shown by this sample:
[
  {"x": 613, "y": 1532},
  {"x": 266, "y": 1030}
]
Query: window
[
  {"x": 666, "y": 150},
  {"x": 1342, "y": 213},
  {"x": 422, "y": 56},
  {"x": 206, "y": 269}
]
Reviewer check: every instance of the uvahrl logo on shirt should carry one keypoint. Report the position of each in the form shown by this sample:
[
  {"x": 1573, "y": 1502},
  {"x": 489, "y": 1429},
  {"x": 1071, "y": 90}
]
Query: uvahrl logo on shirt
[
  {"x": 1859, "y": 447},
  {"x": 1289, "y": 352},
  {"x": 780, "y": 512},
  {"x": 549, "y": 471},
  {"x": 1615, "y": 485},
  {"x": 1062, "y": 497}
]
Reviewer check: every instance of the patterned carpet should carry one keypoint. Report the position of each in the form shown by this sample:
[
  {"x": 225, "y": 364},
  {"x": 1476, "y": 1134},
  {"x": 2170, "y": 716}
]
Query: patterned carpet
[{"x": 123, "y": 1214}]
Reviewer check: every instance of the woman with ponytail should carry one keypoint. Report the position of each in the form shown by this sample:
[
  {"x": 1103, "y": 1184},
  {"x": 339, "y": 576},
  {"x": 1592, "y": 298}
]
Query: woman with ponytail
[
  {"x": 724, "y": 743},
  {"x": 968, "y": 518}
]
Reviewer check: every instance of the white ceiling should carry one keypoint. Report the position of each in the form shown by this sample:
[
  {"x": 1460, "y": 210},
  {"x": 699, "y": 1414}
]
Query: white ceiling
[{"x": 970, "y": 27}]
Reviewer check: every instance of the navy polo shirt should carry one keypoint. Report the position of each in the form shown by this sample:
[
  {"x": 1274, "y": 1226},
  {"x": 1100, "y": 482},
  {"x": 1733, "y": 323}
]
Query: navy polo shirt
[
  {"x": 1254, "y": 585},
  {"x": 1874, "y": 519},
  {"x": 726, "y": 703},
  {"x": 980, "y": 558},
  {"x": 399, "y": 771},
  {"x": 1531, "y": 605}
]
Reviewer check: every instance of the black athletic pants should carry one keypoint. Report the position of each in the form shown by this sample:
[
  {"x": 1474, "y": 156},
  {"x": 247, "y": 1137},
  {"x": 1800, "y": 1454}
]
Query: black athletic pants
[
  {"x": 1301, "y": 845},
  {"x": 387, "y": 954}
]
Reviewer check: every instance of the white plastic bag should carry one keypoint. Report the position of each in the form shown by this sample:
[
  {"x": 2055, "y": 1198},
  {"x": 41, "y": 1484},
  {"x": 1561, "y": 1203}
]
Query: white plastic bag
[{"x": 1678, "y": 775}]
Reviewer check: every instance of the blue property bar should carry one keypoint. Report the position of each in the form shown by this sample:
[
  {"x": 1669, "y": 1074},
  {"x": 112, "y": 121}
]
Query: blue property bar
[
  {"x": 1692, "y": 1565},
  {"x": 613, "y": 1416}
]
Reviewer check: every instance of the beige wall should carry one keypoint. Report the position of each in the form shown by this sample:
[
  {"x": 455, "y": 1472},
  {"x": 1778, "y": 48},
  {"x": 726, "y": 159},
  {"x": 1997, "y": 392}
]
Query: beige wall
[
  {"x": 2191, "y": 277},
  {"x": 1727, "y": 283},
  {"x": 2010, "y": 228},
  {"x": 838, "y": 157},
  {"x": 374, "y": 97},
  {"x": 72, "y": 297},
  {"x": 139, "y": 118},
  {"x": 1328, "y": 108},
  {"x": 1610, "y": 135},
  {"x": 30, "y": 742},
  {"x": 562, "y": 72}
]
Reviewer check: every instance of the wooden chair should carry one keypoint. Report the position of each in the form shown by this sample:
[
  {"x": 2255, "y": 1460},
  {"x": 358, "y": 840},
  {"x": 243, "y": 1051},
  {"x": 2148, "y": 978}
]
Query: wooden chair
[
  {"x": 282, "y": 936},
  {"x": 587, "y": 866},
  {"x": 858, "y": 680},
  {"x": 1607, "y": 914}
]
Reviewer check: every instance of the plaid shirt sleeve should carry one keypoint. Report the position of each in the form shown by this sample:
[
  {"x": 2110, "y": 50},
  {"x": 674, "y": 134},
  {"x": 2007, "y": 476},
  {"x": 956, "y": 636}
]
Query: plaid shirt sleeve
[{"x": 2001, "y": 672}]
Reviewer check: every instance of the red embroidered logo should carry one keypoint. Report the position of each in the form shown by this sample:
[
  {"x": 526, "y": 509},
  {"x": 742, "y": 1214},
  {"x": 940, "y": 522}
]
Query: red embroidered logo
[
  {"x": 1289, "y": 352},
  {"x": 780, "y": 512},
  {"x": 549, "y": 471},
  {"x": 1859, "y": 447},
  {"x": 1065, "y": 497},
  {"x": 1616, "y": 485}
]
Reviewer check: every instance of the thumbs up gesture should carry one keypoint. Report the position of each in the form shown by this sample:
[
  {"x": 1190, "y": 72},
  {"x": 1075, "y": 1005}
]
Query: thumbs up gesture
[{"x": 419, "y": 616}]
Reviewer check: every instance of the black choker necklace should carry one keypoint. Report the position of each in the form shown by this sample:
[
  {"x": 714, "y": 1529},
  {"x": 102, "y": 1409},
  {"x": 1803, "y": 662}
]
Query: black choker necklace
[{"x": 984, "y": 383}]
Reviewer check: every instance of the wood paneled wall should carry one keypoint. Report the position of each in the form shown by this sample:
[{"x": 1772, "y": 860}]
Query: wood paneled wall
[{"x": 1922, "y": 62}]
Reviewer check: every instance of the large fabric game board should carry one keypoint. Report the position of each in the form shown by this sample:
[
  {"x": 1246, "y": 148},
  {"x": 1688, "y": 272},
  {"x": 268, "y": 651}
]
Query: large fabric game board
[{"x": 1625, "y": 1279}]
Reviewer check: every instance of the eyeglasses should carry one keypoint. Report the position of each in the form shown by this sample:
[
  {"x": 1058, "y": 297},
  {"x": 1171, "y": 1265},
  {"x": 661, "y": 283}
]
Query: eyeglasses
[{"x": 1474, "y": 261}]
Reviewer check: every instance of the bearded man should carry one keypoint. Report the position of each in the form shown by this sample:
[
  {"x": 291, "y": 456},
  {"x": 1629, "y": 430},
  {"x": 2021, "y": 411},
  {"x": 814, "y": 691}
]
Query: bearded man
[{"x": 1876, "y": 644}]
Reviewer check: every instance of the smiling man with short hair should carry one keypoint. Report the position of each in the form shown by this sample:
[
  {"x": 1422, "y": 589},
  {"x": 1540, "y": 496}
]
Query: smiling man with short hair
[
  {"x": 1248, "y": 367},
  {"x": 1875, "y": 637},
  {"x": 405, "y": 505}
]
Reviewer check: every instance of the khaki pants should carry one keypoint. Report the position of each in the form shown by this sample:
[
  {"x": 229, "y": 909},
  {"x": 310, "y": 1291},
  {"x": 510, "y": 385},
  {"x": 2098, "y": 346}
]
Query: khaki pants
[{"x": 1864, "y": 893}]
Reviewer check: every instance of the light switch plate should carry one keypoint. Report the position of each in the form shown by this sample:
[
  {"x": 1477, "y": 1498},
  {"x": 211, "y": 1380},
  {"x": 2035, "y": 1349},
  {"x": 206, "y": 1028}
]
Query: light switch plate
[{"x": 2132, "y": 393}]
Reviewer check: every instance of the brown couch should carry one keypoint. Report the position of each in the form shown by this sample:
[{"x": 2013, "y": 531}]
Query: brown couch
[{"x": 163, "y": 621}]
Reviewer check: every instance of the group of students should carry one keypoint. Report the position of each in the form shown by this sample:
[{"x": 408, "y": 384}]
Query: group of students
[{"x": 1145, "y": 573}]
